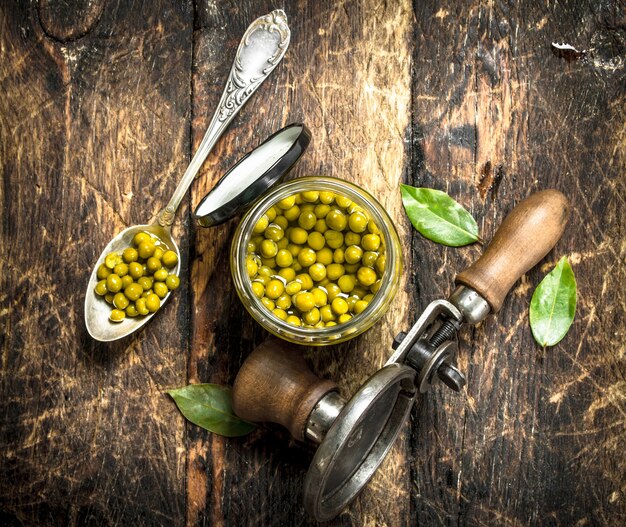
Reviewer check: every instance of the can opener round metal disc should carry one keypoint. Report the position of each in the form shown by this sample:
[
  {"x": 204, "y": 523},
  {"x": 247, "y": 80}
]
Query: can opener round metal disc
[{"x": 274, "y": 384}]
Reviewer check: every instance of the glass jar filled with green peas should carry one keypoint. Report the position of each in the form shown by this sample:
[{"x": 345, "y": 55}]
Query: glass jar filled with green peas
[{"x": 316, "y": 260}]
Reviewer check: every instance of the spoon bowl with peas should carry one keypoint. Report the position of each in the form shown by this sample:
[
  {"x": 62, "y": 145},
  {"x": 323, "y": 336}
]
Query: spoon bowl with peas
[{"x": 262, "y": 47}]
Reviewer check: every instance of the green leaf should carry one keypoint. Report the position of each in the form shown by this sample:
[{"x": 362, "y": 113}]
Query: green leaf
[
  {"x": 438, "y": 217},
  {"x": 553, "y": 305},
  {"x": 210, "y": 406}
]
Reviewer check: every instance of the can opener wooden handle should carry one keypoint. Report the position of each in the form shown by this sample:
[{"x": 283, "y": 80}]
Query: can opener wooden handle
[{"x": 526, "y": 235}]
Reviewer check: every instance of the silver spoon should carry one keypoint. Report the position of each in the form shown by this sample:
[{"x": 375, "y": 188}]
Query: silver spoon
[{"x": 262, "y": 47}]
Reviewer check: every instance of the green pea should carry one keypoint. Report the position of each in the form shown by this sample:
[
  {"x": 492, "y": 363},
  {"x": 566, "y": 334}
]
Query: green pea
[
  {"x": 131, "y": 311},
  {"x": 304, "y": 301},
  {"x": 336, "y": 220},
  {"x": 268, "y": 303},
  {"x": 343, "y": 202},
  {"x": 172, "y": 282},
  {"x": 153, "y": 264},
  {"x": 160, "y": 289},
  {"x": 121, "y": 269},
  {"x": 274, "y": 289},
  {"x": 101, "y": 288},
  {"x": 327, "y": 197},
  {"x": 288, "y": 274},
  {"x": 346, "y": 283},
  {"x": 117, "y": 315},
  {"x": 358, "y": 222},
  {"x": 258, "y": 289},
  {"x": 306, "y": 257},
  {"x": 280, "y": 313},
  {"x": 103, "y": 272},
  {"x": 141, "y": 237},
  {"x": 339, "y": 306},
  {"x": 360, "y": 306},
  {"x": 310, "y": 196},
  {"x": 317, "y": 272},
  {"x": 339, "y": 256},
  {"x": 135, "y": 270},
  {"x": 320, "y": 296},
  {"x": 305, "y": 280},
  {"x": 326, "y": 313},
  {"x": 161, "y": 275},
  {"x": 293, "y": 320},
  {"x": 274, "y": 232},
  {"x": 283, "y": 301},
  {"x": 286, "y": 203},
  {"x": 120, "y": 301},
  {"x": 353, "y": 254},
  {"x": 114, "y": 283},
  {"x": 284, "y": 258},
  {"x": 293, "y": 213},
  {"x": 370, "y": 242},
  {"x": 145, "y": 282},
  {"x": 316, "y": 241},
  {"x": 271, "y": 213},
  {"x": 261, "y": 225},
  {"x": 344, "y": 318},
  {"x": 324, "y": 256},
  {"x": 153, "y": 302},
  {"x": 282, "y": 222},
  {"x": 140, "y": 306},
  {"x": 169, "y": 259},
  {"x": 307, "y": 220},
  {"x": 333, "y": 291},
  {"x": 334, "y": 271},
  {"x": 321, "y": 210},
  {"x": 293, "y": 287},
  {"x": 130, "y": 254},
  {"x": 381, "y": 261},
  {"x": 146, "y": 249},
  {"x": 320, "y": 226},
  {"x": 269, "y": 249},
  {"x": 369, "y": 258},
  {"x": 294, "y": 249},
  {"x": 158, "y": 253},
  {"x": 334, "y": 239},
  {"x": 133, "y": 291},
  {"x": 112, "y": 260},
  {"x": 312, "y": 316}
]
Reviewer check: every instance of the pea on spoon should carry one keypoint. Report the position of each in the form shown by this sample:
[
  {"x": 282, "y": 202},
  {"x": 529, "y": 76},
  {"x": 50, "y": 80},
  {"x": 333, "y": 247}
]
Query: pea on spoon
[{"x": 262, "y": 47}]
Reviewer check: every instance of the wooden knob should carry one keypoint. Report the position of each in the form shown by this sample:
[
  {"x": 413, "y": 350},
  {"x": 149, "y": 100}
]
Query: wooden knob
[
  {"x": 526, "y": 235},
  {"x": 275, "y": 385}
]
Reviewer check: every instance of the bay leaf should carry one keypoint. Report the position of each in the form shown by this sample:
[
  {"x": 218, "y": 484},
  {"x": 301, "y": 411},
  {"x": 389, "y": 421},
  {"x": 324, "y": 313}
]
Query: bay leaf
[
  {"x": 210, "y": 406},
  {"x": 438, "y": 217},
  {"x": 553, "y": 305}
]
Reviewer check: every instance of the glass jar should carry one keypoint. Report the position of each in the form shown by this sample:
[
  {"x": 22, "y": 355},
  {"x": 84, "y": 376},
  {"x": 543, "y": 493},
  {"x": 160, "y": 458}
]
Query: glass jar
[{"x": 326, "y": 335}]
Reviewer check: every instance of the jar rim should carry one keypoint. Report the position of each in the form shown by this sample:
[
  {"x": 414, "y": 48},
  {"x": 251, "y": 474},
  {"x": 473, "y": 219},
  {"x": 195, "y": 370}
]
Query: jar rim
[{"x": 358, "y": 323}]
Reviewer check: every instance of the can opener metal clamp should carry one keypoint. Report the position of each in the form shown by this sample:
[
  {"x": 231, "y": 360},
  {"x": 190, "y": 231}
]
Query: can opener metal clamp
[{"x": 275, "y": 385}]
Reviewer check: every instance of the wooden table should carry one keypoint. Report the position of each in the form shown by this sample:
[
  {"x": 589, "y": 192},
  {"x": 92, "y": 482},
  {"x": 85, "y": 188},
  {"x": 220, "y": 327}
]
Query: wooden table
[{"x": 102, "y": 105}]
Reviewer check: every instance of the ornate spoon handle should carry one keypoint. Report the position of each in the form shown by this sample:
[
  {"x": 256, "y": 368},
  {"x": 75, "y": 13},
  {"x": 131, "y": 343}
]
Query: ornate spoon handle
[{"x": 262, "y": 47}]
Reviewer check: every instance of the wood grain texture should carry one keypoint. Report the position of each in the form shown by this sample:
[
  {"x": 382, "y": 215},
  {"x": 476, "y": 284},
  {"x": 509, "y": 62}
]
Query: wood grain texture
[
  {"x": 102, "y": 105},
  {"x": 93, "y": 131}
]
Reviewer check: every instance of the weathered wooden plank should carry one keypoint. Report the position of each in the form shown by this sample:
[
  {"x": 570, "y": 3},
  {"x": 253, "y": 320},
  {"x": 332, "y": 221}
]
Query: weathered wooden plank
[
  {"x": 94, "y": 127},
  {"x": 95, "y": 124},
  {"x": 539, "y": 437},
  {"x": 346, "y": 75}
]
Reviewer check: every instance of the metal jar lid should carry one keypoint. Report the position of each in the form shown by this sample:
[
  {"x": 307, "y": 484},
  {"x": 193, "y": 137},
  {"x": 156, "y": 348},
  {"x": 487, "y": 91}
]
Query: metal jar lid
[{"x": 252, "y": 175}]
